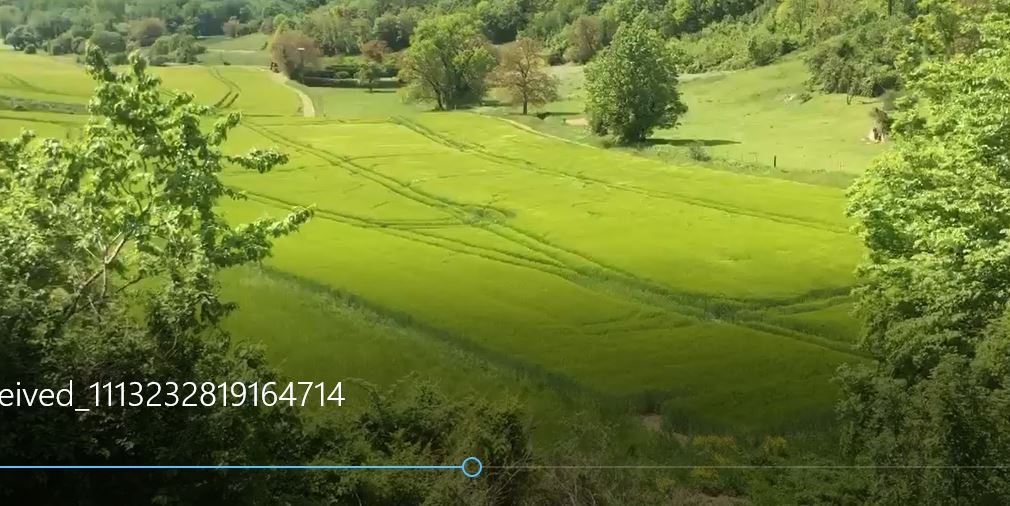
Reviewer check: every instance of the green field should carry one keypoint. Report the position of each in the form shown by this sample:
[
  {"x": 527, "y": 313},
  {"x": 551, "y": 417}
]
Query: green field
[
  {"x": 484, "y": 255},
  {"x": 753, "y": 120}
]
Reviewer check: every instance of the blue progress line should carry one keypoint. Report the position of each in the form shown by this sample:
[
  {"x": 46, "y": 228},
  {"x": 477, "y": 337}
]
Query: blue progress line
[{"x": 471, "y": 467}]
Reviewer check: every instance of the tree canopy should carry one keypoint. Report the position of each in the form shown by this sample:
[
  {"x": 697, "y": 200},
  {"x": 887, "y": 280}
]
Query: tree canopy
[
  {"x": 521, "y": 73},
  {"x": 934, "y": 213},
  {"x": 448, "y": 61},
  {"x": 631, "y": 86}
]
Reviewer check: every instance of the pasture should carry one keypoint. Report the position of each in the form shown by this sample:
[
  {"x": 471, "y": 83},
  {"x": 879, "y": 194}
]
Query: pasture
[
  {"x": 764, "y": 120},
  {"x": 484, "y": 255}
]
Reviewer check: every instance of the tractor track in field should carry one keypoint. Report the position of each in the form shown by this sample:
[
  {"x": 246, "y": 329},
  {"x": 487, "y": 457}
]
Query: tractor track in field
[
  {"x": 593, "y": 274},
  {"x": 527, "y": 165},
  {"x": 411, "y": 232},
  {"x": 234, "y": 90}
]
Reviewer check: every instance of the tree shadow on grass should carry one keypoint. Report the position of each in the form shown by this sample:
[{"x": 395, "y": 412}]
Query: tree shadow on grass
[{"x": 688, "y": 142}]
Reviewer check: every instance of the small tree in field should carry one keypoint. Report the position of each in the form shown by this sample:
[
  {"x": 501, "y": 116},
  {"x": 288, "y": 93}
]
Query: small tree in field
[
  {"x": 368, "y": 75},
  {"x": 521, "y": 72},
  {"x": 632, "y": 86},
  {"x": 293, "y": 52}
]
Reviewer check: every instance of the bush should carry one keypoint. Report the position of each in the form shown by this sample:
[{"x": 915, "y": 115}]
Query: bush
[
  {"x": 118, "y": 58},
  {"x": 697, "y": 152},
  {"x": 78, "y": 44},
  {"x": 109, "y": 42},
  {"x": 159, "y": 60},
  {"x": 763, "y": 48},
  {"x": 31, "y": 49},
  {"x": 63, "y": 44}
]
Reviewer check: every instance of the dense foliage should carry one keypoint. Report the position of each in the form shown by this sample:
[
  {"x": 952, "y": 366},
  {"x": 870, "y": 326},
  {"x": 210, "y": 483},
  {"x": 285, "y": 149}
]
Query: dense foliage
[
  {"x": 448, "y": 61},
  {"x": 934, "y": 215},
  {"x": 631, "y": 87},
  {"x": 863, "y": 62}
]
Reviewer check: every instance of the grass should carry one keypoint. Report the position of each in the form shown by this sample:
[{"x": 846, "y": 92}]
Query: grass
[
  {"x": 478, "y": 252},
  {"x": 752, "y": 121},
  {"x": 252, "y": 42},
  {"x": 39, "y": 78}
]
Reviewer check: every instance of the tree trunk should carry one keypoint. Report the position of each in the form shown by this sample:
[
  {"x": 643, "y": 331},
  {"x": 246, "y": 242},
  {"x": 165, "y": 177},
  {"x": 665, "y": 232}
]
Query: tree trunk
[{"x": 525, "y": 106}]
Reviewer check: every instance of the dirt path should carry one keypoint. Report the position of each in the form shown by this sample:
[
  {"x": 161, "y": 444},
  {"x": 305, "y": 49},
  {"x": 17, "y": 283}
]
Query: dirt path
[{"x": 308, "y": 108}]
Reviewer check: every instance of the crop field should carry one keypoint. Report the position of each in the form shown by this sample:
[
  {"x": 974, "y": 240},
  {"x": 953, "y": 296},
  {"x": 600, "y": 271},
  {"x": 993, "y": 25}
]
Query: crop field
[{"x": 453, "y": 244}]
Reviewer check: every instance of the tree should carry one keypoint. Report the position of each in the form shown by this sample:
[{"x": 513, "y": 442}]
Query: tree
[
  {"x": 794, "y": 14},
  {"x": 10, "y": 16},
  {"x": 64, "y": 44},
  {"x": 47, "y": 25},
  {"x": 368, "y": 74},
  {"x": 336, "y": 32},
  {"x": 933, "y": 212},
  {"x": 179, "y": 47},
  {"x": 521, "y": 72},
  {"x": 231, "y": 27},
  {"x": 501, "y": 19},
  {"x": 584, "y": 40},
  {"x": 632, "y": 86},
  {"x": 146, "y": 31},
  {"x": 20, "y": 37},
  {"x": 293, "y": 52},
  {"x": 862, "y": 62},
  {"x": 375, "y": 50},
  {"x": 448, "y": 61},
  {"x": 108, "y": 42}
]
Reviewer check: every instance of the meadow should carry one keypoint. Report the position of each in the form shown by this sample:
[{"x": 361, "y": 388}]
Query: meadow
[
  {"x": 765, "y": 120},
  {"x": 482, "y": 254}
]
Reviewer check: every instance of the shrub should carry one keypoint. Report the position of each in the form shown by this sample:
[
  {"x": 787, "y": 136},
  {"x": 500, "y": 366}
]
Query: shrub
[
  {"x": 697, "y": 152},
  {"x": 31, "y": 49},
  {"x": 146, "y": 31},
  {"x": 63, "y": 44},
  {"x": 78, "y": 44},
  {"x": 159, "y": 60},
  {"x": 763, "y": 48},
  {"x": 109, "y": 42}
]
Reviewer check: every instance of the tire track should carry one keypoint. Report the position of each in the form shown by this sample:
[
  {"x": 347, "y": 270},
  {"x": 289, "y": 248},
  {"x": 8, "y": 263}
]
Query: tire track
[
  {"x": 592, "y": 274},
  {"x": 523, "y": 164}
]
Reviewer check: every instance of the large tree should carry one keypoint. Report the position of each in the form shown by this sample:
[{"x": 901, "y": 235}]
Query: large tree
[
  {"x": 293, "y": 52},
  {"x": 448, "y": 61},
  {"x": 934, "y": 213},
  {"x": 632, "y": 86},
  {"x": 521, "y": 73}
]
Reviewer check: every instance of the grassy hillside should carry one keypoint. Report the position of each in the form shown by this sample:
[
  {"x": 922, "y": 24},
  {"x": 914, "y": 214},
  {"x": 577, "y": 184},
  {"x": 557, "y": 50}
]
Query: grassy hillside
[
  {"x": 245, "y": 50},
  {"x": 569, "y": 273},
  {"x": 763, "y": 120}
]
